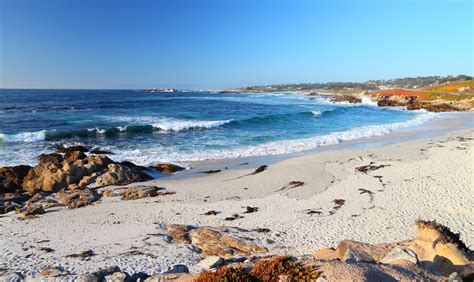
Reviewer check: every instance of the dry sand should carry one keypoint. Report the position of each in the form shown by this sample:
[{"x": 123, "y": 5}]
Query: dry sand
[{"x": 430, "y": 179}]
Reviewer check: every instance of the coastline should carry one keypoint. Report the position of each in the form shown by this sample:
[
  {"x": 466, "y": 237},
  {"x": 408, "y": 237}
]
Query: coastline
[
  {"x": 433, "y": 128},
  {"x": 426, "y": 178}
]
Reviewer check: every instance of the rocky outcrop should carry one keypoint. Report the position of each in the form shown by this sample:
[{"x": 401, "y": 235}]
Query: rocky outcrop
[
  {"x": 67, "y": 175},
  {"x": 11, "y": 178},
  {"x": 212, "y": 242},
  {"x": 435, "y": 247},
  {"x": 346, "y": 98},
  {"x": 417, "y": 103}
]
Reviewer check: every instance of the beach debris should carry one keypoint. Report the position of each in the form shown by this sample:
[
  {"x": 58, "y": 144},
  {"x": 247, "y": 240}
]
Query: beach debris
[
  {"x": 259, "y": 169},
  {"x": 212, "y": 171},
  {"x": 370, "y": 167},
  {"x": 46, "y": 249},
  {"x": 261, "y": 230},
  {"x": 168, "y": 168},
  {"x": 313, "y": 211},
  {"x": 82, "y": 255},
  {"x": 212, "y": 212},
  {"x": 368, "y": 192},
  {"x": 52, "y": 271},
  {"x": 233, "y": 217},
  {"x": 256, "y": 171},
  {"x": 338, "y": 203},
  {"x": 249, "y": 209},
  {"x": 291, "y": 185}
]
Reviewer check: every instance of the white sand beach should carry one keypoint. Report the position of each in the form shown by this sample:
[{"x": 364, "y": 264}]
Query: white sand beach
[{"x": 329, "y": 200}]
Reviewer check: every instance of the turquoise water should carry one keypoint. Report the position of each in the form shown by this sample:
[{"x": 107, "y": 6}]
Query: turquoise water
[{"x": 147, "y": 128}]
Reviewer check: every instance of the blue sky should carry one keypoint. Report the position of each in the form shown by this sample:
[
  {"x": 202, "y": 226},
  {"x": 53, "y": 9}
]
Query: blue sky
[{"x": 229, "y": 43}]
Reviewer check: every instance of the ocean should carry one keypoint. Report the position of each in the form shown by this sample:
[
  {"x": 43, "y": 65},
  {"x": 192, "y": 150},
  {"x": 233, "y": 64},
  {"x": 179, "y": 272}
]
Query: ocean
[{"x": 148, "y": 128}]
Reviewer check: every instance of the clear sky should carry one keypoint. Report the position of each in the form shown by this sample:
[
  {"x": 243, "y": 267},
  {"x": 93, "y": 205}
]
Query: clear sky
[{"x": 228, "y": 43}]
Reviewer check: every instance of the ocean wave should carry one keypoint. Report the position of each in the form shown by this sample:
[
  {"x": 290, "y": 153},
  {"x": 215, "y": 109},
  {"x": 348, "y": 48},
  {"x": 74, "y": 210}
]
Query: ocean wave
[
  {"x": 165, "y": 125},
  {"x": 316, "y": 113},
  {"x": 24, "y": 136},
  {"x": 181, "y": 125},
  {"x": 305, "y": 144}
]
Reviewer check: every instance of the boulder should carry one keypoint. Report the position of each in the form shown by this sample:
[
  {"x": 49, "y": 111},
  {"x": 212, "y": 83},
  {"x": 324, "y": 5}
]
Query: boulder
[
  {"x": 120, "y": 175},
  {"x": 74, "y": 156},
  {"x": 138, "y": 192},
  {"x": 11, "y": 178},
  {"x": 54, "y": 158},
  {"x": 210, "y": 262},
  {"x": 438, "y": 248},
  {"x": 168, "y": 168},
  {"x": 117, "y": 277},
  {"x": 179, "y": 268},
  {"x": 179, "y": 233},
  {"x": 77, "y": 198},
  {"x": 65, "y": 150},
  {"x": 213, "y": 243}
]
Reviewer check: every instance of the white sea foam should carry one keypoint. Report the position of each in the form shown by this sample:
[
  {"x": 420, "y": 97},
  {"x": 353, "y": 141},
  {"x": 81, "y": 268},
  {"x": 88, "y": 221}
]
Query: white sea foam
[
  {"x": 284, "y": 146},
  {"x": 169, "y": 124},
  {"x": 180, "y": 125},
  {"x": 316, "y": 113},
  {"x": 24, "y": 136},
  {"x": 368, "y": 102},
  {"x": 97, "y": 130}
]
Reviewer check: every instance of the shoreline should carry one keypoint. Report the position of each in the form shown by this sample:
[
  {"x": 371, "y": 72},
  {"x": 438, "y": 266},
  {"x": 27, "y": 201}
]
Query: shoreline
[
  {"x": 426, "y": 178},
  {"x": 433, "y": 128}
]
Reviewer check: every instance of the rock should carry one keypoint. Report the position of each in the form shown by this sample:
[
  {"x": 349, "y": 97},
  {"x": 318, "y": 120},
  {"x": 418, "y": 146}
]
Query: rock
[
  {"x": 99, "y": 151},
  {"x": 11, "y": 277},
  {"x": 78, "y": 198},
  {"x": 454, "y": 277},
  {"x": 346, "y": 98},
  {"x": 6, "y": 207},
  {"x": 179, "y": 268},
  {"x": 50, "y": 158},
  {"x": 139, "y": 277},
  {"x": 89, "y": 277},
  {"x": 120, "y": 175},
  {"x": 66, "y": 150},
  {"x": 439, "y": 248},
  {"x": 117, "y": 277},
  {"x": 168, "y": 168},
  {"x": 210, "y": 262},
  {"x": 179, "y": 233},
  {"x": 211, "y": 242},
  {"x": 74, "y": 156},
  {"x": 11, "y": 178},
  {"x": 51, "y": 271},
  {"x": 357, "y": 256},
  {"x": 138, "y": 192},
  {"x": 30, "y": 210},
  {"x": 397, "y": 254},
  {"x": 214, "y": 243}
]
